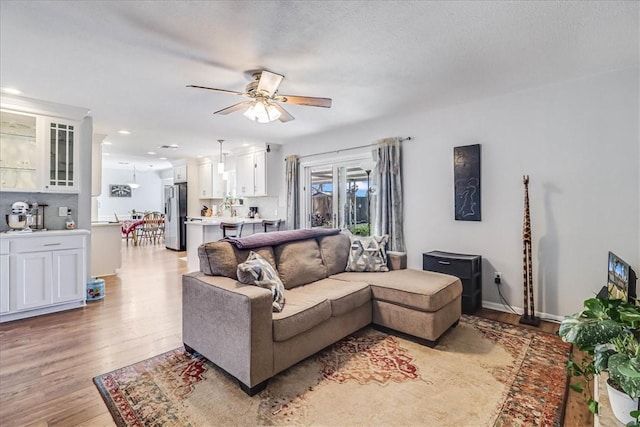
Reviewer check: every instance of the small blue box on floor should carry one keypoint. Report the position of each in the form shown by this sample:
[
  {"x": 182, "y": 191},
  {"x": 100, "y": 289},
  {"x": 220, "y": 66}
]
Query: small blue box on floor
[{"x": 95, "y": 289}]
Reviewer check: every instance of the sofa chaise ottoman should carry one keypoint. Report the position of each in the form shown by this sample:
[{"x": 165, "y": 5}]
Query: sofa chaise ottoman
[{"x": 232, "y": 324}]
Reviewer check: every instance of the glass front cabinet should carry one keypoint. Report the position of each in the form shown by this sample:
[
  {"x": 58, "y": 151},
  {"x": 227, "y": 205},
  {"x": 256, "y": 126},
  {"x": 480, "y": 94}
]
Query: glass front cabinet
[{"x": 37, "y": 153}]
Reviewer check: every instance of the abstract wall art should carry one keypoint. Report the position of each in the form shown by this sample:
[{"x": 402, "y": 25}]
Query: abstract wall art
[{"x": 466, "y": 175}]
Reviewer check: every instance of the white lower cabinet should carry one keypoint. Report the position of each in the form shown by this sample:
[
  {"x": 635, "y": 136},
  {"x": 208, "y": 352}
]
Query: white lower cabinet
[
  {"x": 46, "y": 273},
  {"x": 4, "y": 283},
  {"x": 31, "y": 279}
]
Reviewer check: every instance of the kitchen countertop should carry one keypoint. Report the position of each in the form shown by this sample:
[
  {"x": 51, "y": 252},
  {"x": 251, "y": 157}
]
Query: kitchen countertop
[
  {"x": 48, "y": 233},
  {"x": 105, "y": 224},
  {"x": 217, "y": 220}
]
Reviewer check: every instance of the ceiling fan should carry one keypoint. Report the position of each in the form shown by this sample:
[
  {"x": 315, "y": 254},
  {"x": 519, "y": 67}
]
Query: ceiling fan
[{"x": 264, "y": 107}]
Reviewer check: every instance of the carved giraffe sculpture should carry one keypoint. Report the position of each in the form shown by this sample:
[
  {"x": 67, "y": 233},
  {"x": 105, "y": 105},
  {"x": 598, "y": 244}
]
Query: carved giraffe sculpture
[{"x": 528, "y": 317}]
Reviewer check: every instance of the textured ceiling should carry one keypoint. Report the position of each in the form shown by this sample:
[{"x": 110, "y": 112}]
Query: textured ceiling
[{"x": 129, "y": 61}]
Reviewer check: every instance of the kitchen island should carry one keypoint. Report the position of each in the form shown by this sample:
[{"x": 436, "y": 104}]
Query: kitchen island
[
  {"x": 106, "y": 248},
  {"x": 207, "y": 229}
]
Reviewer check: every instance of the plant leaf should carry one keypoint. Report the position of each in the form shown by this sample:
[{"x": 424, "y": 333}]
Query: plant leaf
[{"x": 576, "y": 387}]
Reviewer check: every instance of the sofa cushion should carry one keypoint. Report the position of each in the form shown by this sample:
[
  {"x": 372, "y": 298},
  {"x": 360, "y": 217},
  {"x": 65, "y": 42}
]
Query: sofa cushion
[
  {"x": 416, "y": 289},
  {"x": 302, "y": 312},
  {"x": 257, "y": 271},
  {"x": 368, "y": 253},
  {"x": 265, "y": 252},
  {"x": 335, "y": 252},
  {"x": 299, "y": 263},
  {"x": 222, "y": 258},
  {"x": 218, "y": 259},
  {"x": 343, "y": 296}
]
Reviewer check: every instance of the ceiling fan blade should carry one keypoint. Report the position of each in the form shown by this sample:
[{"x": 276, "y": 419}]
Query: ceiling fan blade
[
  {"x": 304, "y": 100},
  {"x": 221, "y": 90},
  {"x": 284, "y": 114},
  {"x": 269, "y": 82},
  {"x": 235, "y": 107}
]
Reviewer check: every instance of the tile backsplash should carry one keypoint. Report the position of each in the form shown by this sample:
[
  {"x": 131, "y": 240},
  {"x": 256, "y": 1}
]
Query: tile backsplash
[
  {"x": 54, "y": 200},
  {"x": 268, "y": 207}
]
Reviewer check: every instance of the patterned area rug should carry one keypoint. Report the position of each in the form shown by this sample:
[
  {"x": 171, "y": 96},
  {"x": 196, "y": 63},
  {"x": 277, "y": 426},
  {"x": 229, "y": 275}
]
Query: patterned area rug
[{"x": 483, "y": 373}]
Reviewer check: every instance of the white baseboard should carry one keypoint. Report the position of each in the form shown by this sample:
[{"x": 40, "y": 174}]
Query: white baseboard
[{"x": 500, "y": 307}]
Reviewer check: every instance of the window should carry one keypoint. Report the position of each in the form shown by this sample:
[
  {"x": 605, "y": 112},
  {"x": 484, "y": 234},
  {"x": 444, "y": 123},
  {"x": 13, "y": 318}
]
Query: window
[{"x": 335, "y": 194}]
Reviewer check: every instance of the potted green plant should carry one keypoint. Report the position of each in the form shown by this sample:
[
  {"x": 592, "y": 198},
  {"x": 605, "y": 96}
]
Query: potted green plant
[{"x": 607, "y": 333}]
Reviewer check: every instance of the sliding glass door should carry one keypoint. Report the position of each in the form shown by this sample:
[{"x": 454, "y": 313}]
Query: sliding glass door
[{"x": 335, "y": 195}]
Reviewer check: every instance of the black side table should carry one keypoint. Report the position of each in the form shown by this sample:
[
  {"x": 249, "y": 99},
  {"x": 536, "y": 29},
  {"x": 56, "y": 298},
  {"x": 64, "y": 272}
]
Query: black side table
[{"x": 466, "y": 267}]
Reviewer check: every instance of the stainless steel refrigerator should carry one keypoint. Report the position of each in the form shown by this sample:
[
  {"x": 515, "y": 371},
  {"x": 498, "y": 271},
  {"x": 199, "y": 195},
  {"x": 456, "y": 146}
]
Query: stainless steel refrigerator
[{"x": 175, "y": 215}]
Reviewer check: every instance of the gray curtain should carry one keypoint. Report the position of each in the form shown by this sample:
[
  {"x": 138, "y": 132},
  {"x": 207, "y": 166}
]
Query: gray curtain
[
  {"x": 387, "y": 200},
  {"x": 293, "y": 193}
]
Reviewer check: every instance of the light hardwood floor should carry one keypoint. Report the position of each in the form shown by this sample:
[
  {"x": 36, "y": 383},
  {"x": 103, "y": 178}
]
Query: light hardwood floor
[{"x": 47, "y": 363}]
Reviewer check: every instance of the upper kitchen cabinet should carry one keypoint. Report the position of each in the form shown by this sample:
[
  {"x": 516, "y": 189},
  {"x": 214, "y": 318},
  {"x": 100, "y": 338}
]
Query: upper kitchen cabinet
[
  {"x": 179, "y": 173},
  {"x": 39, "y": 145},
  {"x": 210, "y": 182},
  {"x": 19, "y": 151},
  {"x": 259, "y": 173}
]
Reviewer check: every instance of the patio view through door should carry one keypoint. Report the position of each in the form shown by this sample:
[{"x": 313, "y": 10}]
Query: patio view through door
[{"x": 335, "y": 196}]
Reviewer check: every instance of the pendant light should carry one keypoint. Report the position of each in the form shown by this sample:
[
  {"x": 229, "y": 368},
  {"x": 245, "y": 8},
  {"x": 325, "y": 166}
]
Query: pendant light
[
  {"x": 221, "y": 159},
  {"x": 134, "y": 184}
]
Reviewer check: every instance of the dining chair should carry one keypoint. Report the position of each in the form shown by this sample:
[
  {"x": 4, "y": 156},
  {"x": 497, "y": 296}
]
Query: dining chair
[
  {"x": 273, "y": 223},
  {"x": 150, "y": 227},
  {"x": 231, "y": 229}
]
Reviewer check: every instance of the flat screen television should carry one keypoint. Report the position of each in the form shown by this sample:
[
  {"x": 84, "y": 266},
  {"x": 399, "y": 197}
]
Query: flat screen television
[{"x": 621, "y": 279}]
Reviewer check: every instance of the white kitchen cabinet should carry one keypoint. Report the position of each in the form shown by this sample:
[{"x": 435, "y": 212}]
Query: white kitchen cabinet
[
  {"x": 20, "y": 154},
  {"x": 39, "y": 146},
  {"x": 4, "y": 276},
  {"x": 245, "y": 173},
  {"x": 258, "y": 173},
  {"x": 179, "y": 174},
  {"x": 62, "y": 159},
  {"x": 68, "y": 275},
  {"x": 31, "y": 279},
  {"x": 46, "y": 273},
  {"x": 210, "y": 182}
]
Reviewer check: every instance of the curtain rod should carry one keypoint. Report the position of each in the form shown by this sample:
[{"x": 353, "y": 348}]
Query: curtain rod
[{"x": 347, "y": 149}]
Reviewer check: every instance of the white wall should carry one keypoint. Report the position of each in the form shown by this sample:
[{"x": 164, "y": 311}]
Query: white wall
[
  {"x": 577, "y": 140},
  {"x": 149, "y": 197}
]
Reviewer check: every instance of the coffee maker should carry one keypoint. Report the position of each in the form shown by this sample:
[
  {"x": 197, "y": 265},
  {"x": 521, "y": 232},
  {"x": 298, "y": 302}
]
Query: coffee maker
[{"x": 253, "y": 211}]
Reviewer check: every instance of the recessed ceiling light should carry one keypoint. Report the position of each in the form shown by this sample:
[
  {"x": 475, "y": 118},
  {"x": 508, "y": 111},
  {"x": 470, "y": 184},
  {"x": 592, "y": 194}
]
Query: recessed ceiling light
[
  {"x": 151, "y": 152},
  {"x": 245, "y": 144},
  {"x": 173, "y": 145},
  {"x": 106, "y": 154},
  {"x": 106, "y": 143},
  {"x": 11, "y": 91},
  {"x": 124, "y": 132},
  {"x": 162, "y": 158}
]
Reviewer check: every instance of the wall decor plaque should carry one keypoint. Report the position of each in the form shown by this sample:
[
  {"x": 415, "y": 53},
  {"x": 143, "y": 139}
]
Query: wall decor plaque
[
  {"x": 466, "y": 175},
  {"x": 118, "y": 190}
]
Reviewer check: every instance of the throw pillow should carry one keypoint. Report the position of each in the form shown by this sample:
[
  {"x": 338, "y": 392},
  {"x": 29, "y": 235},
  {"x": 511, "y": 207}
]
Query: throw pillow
[
  {"x": 257, "y": 271},
  {"x": 368, "y": 253}
]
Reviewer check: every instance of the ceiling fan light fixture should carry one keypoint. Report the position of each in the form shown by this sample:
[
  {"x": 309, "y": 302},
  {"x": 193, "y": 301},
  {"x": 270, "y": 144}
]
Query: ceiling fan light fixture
[{"x": 262, "y": 112}]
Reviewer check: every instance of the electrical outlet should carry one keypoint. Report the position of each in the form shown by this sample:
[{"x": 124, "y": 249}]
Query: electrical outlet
[
  {"x": 63, "y": 211},
  {"x": 497, "y": 278}
]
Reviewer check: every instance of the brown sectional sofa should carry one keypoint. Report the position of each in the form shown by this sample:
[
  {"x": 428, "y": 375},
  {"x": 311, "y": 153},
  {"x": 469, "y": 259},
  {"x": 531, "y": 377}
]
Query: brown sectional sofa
[{"x": 232, "y": 324}]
